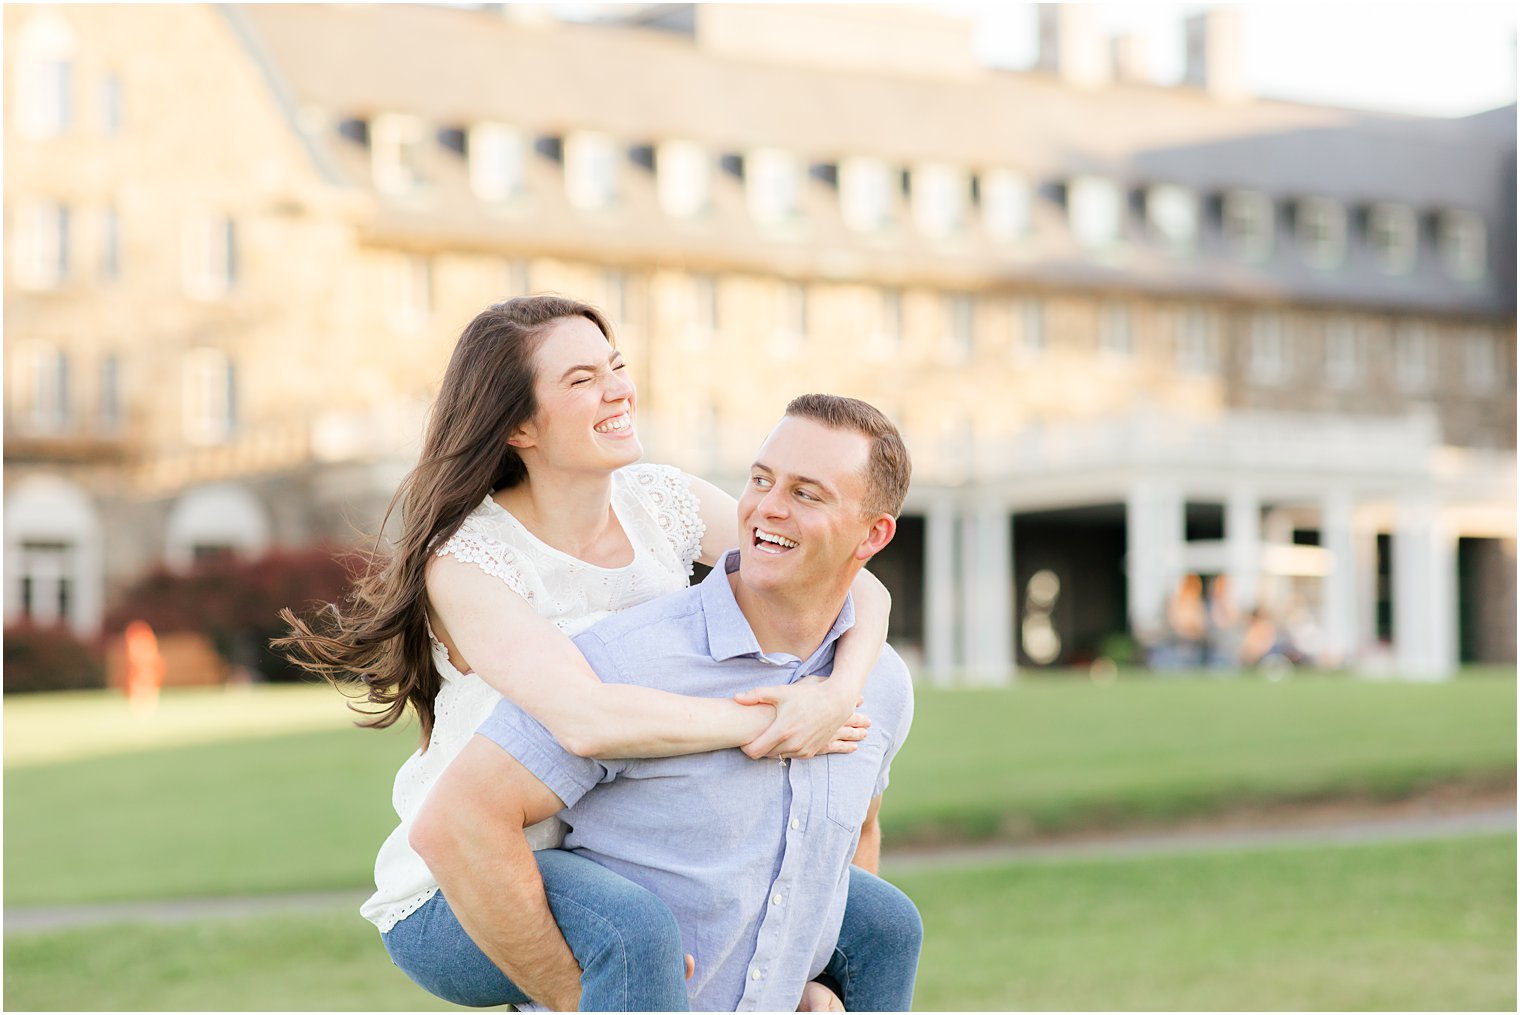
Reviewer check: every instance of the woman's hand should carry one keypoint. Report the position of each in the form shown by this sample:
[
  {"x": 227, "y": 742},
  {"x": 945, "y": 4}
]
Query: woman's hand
[
  {"x": 812, "y": 718},
  {"x": 817, "y": 997}
]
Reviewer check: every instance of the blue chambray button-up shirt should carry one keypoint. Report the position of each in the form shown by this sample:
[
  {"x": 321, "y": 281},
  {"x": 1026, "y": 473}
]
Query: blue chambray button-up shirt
[{"x": 752, "y": 857}]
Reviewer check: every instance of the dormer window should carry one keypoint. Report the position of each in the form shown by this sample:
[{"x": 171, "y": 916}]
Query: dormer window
[
  {"x": 591, "y": 170},
  {"x": 1094, "y": 208},
  {"x": 1171, "y": 212},
  {"x": 866, "y": 188},
  {"x": 1321, "y": 228},
  {"x": 939, "y": 198},
  {"x": 683, "y": 179},
  {"x": 398, "y": 152},
  {"x": 44, "y": 82},
  {"x": 773, "y": 185},
  {"x": 1391, "y": 234},
  {"x": 1005, "y": 205},
  {"x": 1247, "y": 224},
  {"x": 498, "y": 155},
  {"x": 1462, "y": 240}
]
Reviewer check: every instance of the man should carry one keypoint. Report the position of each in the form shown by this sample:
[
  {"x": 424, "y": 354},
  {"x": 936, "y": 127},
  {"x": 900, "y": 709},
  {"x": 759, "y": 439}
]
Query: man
[{"x": 752, "y": 856}]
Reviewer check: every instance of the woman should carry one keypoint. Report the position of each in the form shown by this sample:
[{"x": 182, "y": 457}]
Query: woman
[{"x": 524, "y": 522}]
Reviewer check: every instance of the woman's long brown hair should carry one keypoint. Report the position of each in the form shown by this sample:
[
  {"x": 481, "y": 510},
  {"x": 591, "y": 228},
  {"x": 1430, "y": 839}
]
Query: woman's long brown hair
[{"x": 378, "y": 647}]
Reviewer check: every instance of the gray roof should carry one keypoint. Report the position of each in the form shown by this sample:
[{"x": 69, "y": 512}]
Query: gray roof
[{"x": 457, "y": 66}]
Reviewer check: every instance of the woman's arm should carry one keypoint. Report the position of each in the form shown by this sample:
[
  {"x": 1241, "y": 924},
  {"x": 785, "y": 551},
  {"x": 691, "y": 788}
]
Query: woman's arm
[
  {"x": 809, "y": 717},
  {"x": 530, "y": 661}
]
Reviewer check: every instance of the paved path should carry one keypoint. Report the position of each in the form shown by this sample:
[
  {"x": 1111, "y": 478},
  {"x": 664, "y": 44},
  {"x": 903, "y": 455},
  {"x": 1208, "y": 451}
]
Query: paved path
[{"x": 1434, "y": 826}]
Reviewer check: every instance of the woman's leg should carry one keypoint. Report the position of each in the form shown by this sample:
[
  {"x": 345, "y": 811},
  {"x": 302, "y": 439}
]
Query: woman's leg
[
  {"x": 876, "y": 959},
  {"x": 624, "y": 938}
]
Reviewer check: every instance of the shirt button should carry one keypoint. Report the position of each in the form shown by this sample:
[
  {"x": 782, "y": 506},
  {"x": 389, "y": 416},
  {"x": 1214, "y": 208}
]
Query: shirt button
[
  {"x": 796, "y": 823},
  {"x": 776, "y": 899},
  {"x": 754, "y": 974}
]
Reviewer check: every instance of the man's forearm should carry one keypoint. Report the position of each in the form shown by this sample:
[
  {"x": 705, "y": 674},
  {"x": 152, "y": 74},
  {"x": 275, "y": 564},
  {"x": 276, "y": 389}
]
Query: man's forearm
[
  {"x": 868, "y": 852},
  {"x": 492, "y": 884}
]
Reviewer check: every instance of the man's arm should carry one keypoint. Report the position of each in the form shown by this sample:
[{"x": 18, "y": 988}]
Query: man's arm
[
  {"x": 868, "y": 852},
  {"x": 470, "y": 834}
]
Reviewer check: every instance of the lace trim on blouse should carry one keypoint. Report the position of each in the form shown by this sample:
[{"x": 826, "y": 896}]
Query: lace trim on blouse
[{"x": 667, "y": 491}]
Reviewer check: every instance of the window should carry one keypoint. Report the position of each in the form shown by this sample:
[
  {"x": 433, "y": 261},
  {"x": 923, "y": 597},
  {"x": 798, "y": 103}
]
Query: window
[
  {"x": 110, "y": 105},
  {"x": 518, "y": 279},
  {"x": 411, "y": 291},
  {"x": 210, "y": 256},
  {"x": 591, "y": 170},
  {"x": 1030, "y": 314},
  {"x": 497, "y": 157},
  {"x": 1391, "y": 234},
  {"x": 110, "y": 245},
  {"x": 1094, "y": 208},
  {"x": 866, "y": 189},
  {"x": 1412, "y": 354},
  {"x": 886, "y": 337},
  {"x": 40, "y": 254},
  {"x": 791, "y": 319},
  {"x": 109, "y": 409},
  {"x": 1269, "y": 349},
  {"x": 47, "y": 570},
  {"x": 939, "y": 198},
  {"x": 1005, "y": 205},
  {"x": 1345, "y": 353},
  {"x": 398, "y": 152},
  {"x": 44, "y": 82},
  {"x": 683, "y": 179},
  {"x": 960, "y": 330},
  {"x": 773, "y": 185},
  {"x": 1481, "y": 349},
  {"x": 1247, "y": 224},
  {"x": 210, "y": 397},
  {"x": 1197, "y": 341},
  {"x": 39, "y": 387},
  {"x": 1114, "y": 336},
  {"x": 1462, "y": 241},
  {"x": 1171, "y": 212},
  {"x": 1321, "y": 228},
  {"x": 615, "y": 296},
  {"x": 701, "y": 311}
]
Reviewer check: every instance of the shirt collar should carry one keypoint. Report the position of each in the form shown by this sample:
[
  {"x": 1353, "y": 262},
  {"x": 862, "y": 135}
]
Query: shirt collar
[{"x": 728, "y": 632}]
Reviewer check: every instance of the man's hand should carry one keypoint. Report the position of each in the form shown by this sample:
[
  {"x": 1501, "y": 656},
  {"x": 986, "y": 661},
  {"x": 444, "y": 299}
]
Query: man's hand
[{"x": 817, "y": 997}]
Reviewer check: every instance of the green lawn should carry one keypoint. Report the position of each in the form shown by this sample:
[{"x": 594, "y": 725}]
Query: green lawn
[
  {"x": 1413, "y": 926},
  {"x": 297, "y": 811}
]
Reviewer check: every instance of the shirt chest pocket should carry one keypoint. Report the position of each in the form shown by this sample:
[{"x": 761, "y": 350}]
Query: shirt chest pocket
[{"x": 852, "y": 777}]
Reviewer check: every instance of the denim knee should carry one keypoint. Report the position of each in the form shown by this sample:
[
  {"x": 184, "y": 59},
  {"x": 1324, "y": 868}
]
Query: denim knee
[{"x": 902, "y": 921}]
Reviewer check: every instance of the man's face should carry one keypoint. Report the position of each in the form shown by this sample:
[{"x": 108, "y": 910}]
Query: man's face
[{"x": 801, "y": 516}]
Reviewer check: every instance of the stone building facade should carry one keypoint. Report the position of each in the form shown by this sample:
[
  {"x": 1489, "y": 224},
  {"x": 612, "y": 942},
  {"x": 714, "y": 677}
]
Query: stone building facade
[{"x": 1131, "y": 332}]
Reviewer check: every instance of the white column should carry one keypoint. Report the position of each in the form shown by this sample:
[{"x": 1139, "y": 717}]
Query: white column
[
  {"x": 939, "y": 591},
  {"x": 1242, "y": 533},
  {"x": 1156, "y": 528},
  {"x": 1339, "y": 601},
  {"x": 987, "y": 580},
  {"x": 1365, "y": 543},
  {"x": 1424, "y": 592}
]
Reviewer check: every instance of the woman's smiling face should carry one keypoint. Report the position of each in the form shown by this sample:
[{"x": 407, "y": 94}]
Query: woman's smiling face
[{"x": 585, "y": 403}]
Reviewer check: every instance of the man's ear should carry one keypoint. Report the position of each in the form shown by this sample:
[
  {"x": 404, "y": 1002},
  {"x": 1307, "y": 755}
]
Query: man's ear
[{"x": 883, "y": 528}]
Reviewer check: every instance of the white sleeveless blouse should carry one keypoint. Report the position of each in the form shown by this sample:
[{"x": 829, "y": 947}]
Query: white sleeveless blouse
[{"x": 660, "y": 515}]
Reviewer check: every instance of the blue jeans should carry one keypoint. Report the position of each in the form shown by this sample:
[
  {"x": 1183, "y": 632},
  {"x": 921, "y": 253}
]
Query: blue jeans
[
  {"x": 625, "y": 940},
  {"x": 630, "y": 951},
  {"x": 876, "y": 959}
]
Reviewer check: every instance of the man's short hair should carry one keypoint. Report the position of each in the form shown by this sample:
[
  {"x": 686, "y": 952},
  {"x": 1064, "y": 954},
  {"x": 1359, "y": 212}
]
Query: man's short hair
[{"x": 888, "y": 467}]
